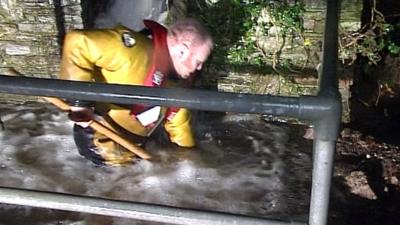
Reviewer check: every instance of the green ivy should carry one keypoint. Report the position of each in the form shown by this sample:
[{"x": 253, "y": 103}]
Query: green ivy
[
  {"x": 237, "y": 24},
  {"x": 372, "y": 41}
]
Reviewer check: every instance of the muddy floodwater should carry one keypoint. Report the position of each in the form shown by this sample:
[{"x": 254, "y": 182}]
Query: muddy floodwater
[{"x": 242, "y": 164}]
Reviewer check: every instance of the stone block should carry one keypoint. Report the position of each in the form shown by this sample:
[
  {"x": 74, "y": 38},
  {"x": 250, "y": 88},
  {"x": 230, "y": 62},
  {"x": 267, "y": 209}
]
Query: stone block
[
  {"x": 46, "y": 19},
  {"x": 351, "y": 25},
  {"x": 319, "y": 27},
  {"x": 309, "y": 24},
  {"x": 38, "y": 3},
  {"x": 33, "y": 27},
  {"x": 70, "y": 2},
  {"x": 27, "y": 37},
  {"x": 14, "y": 49},
  {"x": 315, "y": 4},
  {"x": 7, "y": 30},
  {"x": 13, "y": 98},
  {"x": 27, "y": 27}
]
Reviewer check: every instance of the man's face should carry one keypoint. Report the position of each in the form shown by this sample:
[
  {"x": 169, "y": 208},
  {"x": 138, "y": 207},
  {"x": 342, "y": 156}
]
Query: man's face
[{"x": 190, "y": 59}]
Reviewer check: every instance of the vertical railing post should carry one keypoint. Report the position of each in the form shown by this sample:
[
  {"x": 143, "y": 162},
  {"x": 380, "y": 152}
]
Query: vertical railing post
[
  {"x": 322, "y": 174},
  {"x": 324, "y": 109},
  {"x": 326, "y": 128}
]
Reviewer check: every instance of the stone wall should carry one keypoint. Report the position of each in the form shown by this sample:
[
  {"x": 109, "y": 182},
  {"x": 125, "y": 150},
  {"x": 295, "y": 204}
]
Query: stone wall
[
  {"x": 31, "y": 33},
  {"x": 303, "y": 78}
]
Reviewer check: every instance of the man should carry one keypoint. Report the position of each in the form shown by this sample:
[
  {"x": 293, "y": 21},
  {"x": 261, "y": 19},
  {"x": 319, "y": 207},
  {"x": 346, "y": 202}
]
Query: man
[{"x": 123, "y": 56}]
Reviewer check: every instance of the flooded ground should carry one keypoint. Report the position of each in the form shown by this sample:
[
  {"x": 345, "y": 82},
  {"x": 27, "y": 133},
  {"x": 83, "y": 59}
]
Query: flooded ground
[{"x": 241, "y": 165}]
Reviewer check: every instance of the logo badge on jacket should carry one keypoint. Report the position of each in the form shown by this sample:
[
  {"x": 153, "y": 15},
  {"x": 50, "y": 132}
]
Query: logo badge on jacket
[
  {"x": 158, "y": 78},
  {"x": 128, "y": 40}
]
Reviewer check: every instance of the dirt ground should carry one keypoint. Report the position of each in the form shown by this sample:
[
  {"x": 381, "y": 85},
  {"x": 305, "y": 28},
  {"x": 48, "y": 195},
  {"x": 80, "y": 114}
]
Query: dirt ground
[{"x": 366, "y": 186}]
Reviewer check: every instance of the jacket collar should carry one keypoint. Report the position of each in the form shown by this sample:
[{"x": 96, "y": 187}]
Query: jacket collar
[{"x": 161, "y": 60}]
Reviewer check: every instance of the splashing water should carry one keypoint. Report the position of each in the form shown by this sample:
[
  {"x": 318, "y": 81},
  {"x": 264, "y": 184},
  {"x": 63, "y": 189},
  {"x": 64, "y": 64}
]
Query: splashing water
[{"x": 241, "y": 165}]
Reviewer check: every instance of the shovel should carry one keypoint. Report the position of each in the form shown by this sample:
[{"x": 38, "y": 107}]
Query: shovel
[{"x": 104, "y": 130}]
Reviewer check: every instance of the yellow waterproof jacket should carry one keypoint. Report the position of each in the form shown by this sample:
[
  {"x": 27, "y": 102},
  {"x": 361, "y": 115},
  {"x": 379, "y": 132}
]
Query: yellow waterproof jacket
[{"x": 120, "y": 56}]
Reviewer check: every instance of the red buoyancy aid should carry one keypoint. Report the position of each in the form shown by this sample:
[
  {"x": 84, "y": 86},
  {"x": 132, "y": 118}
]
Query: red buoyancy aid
[
  {"x": 160, "y": 68},
  {"x": 161, "y": 60}
]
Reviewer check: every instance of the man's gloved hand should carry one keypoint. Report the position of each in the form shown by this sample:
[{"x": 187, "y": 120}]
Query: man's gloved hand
[{"x": 82, "y": 116}]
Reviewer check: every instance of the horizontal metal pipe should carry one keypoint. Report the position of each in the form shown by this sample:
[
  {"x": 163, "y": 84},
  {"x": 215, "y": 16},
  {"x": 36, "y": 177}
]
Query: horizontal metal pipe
[
  {"x": 304, "y": 107},
  {"x": 130, "y": 94},
  {"x": 141, "y": 211}
]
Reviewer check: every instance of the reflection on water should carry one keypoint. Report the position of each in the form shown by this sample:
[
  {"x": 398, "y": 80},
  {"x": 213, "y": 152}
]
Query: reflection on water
[{"x": 241, "y": 165}]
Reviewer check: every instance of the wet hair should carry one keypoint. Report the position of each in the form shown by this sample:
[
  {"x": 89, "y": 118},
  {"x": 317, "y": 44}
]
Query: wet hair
[{"x": 191, "y": 30}]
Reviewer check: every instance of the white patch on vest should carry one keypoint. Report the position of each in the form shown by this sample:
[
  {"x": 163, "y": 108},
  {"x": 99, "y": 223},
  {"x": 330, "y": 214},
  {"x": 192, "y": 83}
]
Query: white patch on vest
[
  {"x": 128, "y": 40},
  {"x": 158, "y": 77},
  {"x": 150, "y": 116}
]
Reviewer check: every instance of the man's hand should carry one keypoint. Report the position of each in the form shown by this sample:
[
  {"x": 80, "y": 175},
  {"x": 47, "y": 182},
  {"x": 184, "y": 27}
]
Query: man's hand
[{"x": 82, "y": 116}]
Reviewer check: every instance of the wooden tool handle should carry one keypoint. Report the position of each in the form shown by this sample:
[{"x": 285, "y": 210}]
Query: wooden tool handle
[
  {"x": 59, "y": 103},
  {"x": 104, "y": 130},
  {"x": 118, "y": 139}
]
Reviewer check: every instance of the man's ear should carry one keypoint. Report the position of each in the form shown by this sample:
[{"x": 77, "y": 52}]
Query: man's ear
[{"x": 184, "y": 51}]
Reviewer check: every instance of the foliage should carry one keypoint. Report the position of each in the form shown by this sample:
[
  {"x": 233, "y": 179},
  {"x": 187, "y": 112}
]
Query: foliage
[
  {"x": 371, "y": 41},
  {"x": 241, "y": 34},
  {"x": 254, "y": 33}
]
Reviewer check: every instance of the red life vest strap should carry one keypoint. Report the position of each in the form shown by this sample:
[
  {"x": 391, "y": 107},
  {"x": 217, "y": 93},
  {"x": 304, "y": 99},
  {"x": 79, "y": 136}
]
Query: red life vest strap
[{"x": 160, "y": 65}]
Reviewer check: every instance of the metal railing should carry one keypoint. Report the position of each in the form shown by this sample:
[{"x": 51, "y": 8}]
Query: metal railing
[{"x": 324, "y": 110}]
